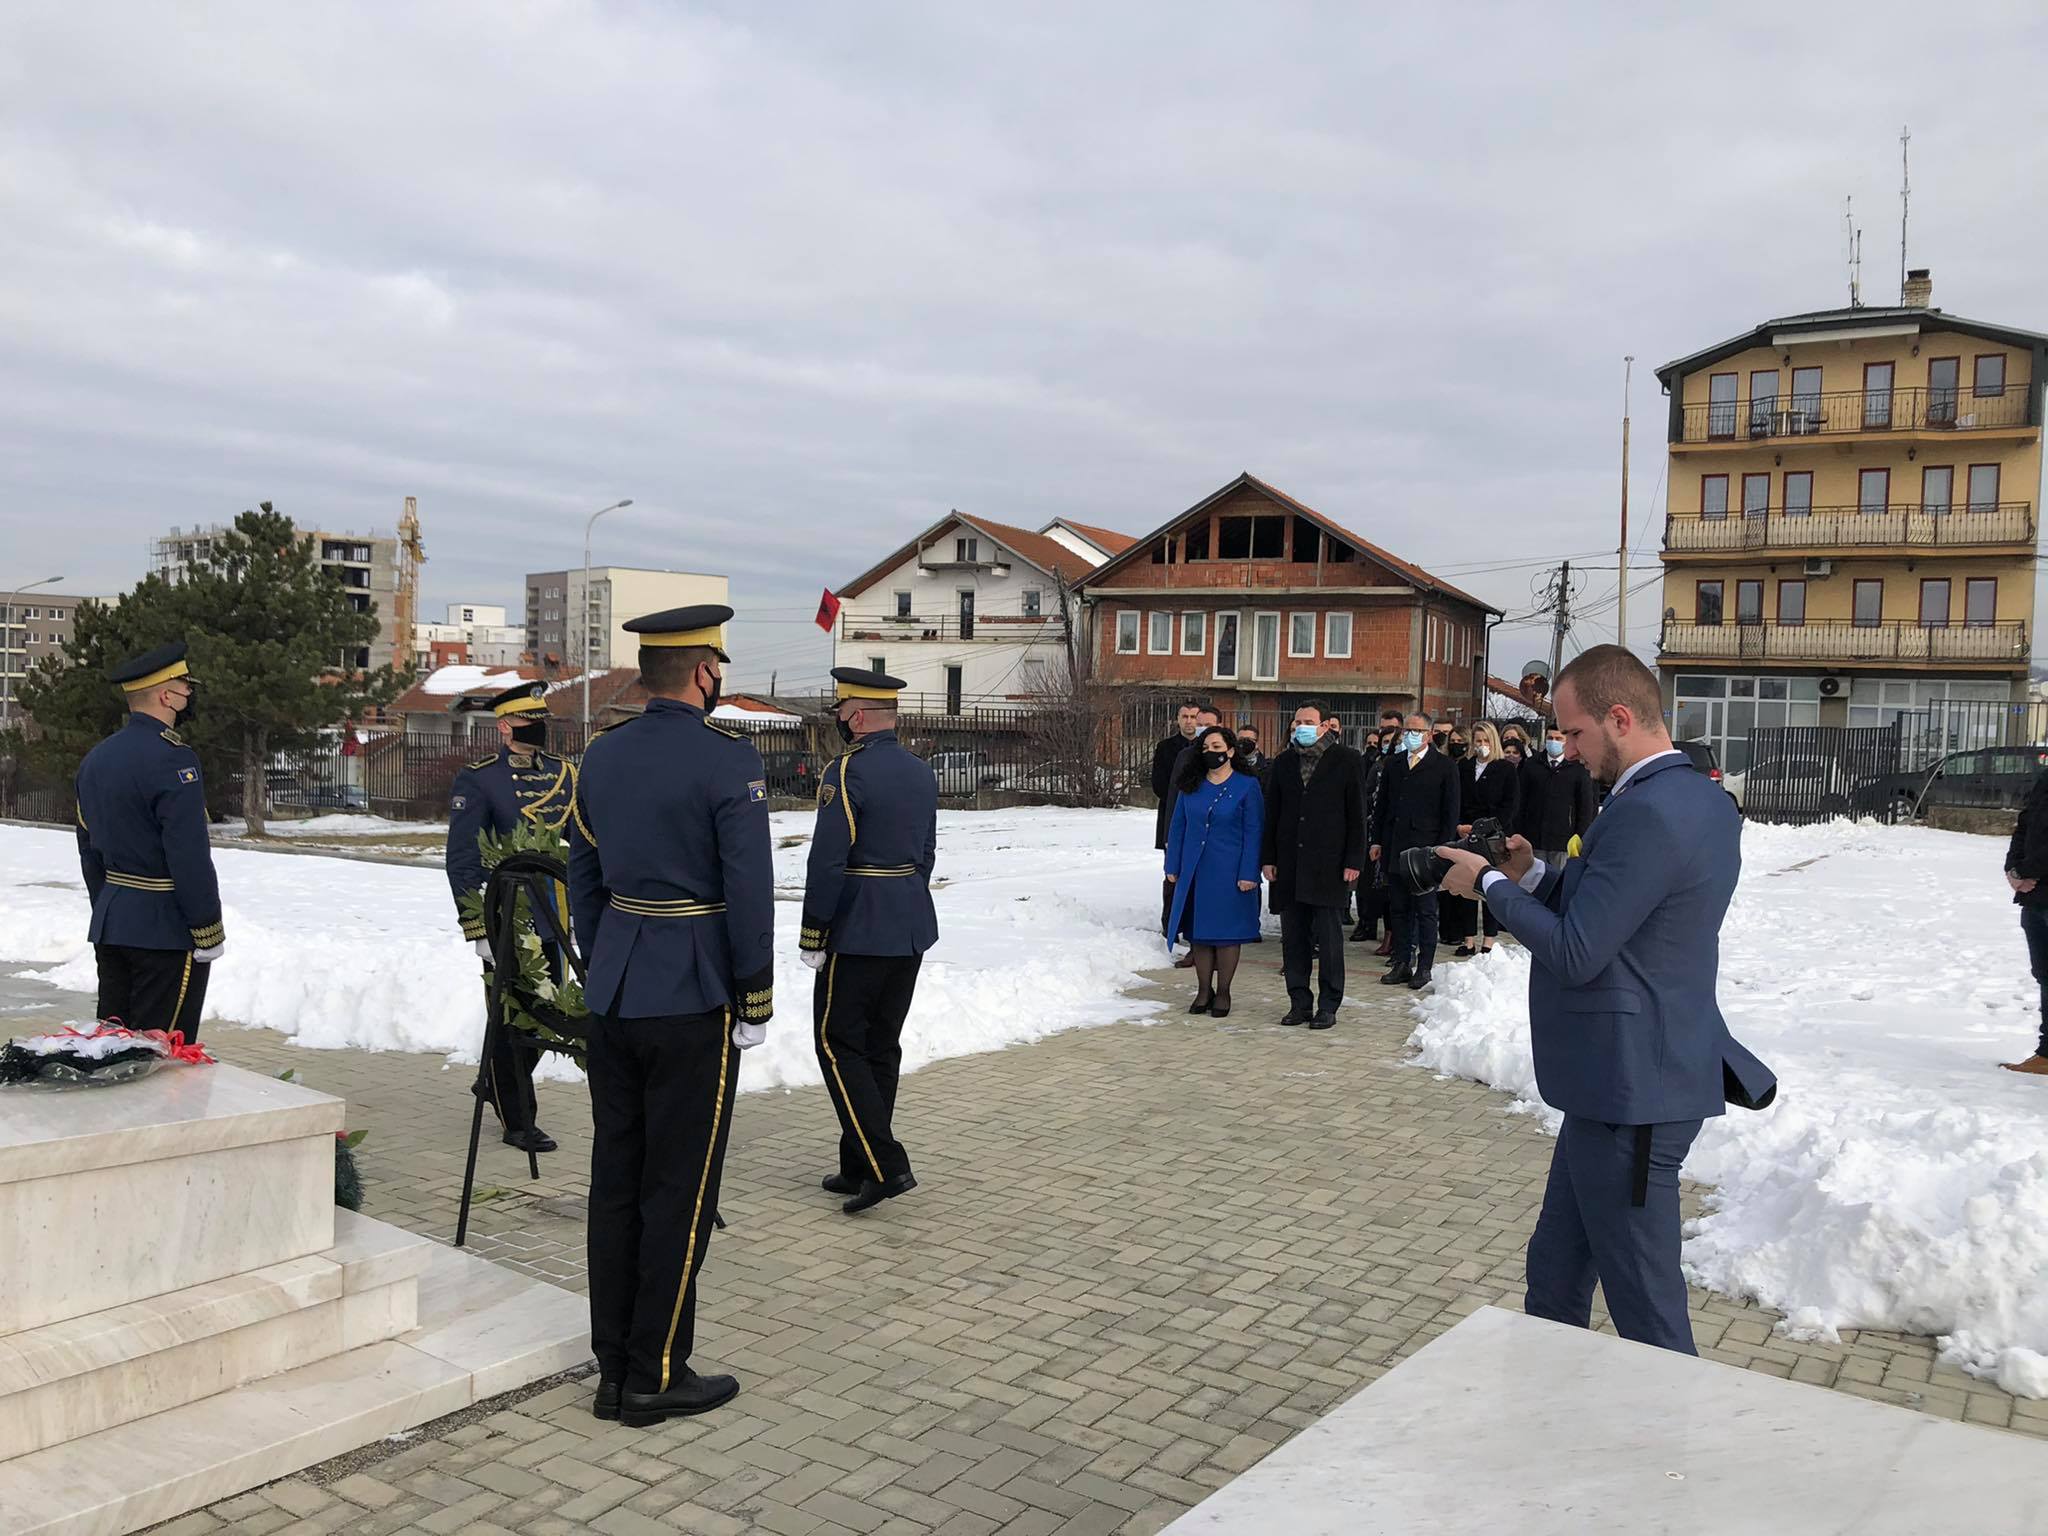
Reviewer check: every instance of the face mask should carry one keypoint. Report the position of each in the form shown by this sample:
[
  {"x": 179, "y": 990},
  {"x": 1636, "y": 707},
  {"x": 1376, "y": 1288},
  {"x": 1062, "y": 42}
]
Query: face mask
[
  {"x": 711, "y": 698},
  {"x": 534, "y": 734},
  {"x": 1482, "y": 750},
  {"x": 1411, "y": 741},
  {"x": 184, "y": 713},
  {"x": 1248, "y": 747},
  {"x": 1306, "y": 735},
  {"x": 1456, "y": 749},
  {"x": 845, "y": 730},
  {"x": 1553, "y": 749},
  {"x": 1212, "y": 760}
]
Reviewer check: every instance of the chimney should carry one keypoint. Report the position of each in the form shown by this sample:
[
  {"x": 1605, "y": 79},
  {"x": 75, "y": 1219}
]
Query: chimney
[{"x": 1919, "y": 290}]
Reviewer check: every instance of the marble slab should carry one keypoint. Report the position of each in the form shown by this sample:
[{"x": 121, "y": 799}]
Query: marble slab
[
  {"x": 1510, "y": 1424},
  {"x": 173, "y": 1112},
  {"x": 95, "y": 1237},
  {"x": 481, "y": 1330},
  {"x": 373, "y": 1253}
]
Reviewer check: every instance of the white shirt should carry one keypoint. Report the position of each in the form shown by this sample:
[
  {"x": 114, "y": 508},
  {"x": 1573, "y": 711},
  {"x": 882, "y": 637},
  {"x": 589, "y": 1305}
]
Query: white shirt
[{"x": 1538, "y": 869}]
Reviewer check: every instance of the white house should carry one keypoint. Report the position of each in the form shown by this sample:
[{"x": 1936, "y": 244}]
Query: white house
[{"x": 968, "y": 613}]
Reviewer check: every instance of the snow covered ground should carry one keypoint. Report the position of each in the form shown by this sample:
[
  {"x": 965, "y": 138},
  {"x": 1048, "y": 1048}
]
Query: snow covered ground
[
  {"x": 1041, "y": 910},
  {"x": 1901, "y": 1180}
]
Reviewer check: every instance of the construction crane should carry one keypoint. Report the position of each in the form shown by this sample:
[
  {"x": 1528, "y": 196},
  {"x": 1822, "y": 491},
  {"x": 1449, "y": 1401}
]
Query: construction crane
[{"x": 412, "y": 551}]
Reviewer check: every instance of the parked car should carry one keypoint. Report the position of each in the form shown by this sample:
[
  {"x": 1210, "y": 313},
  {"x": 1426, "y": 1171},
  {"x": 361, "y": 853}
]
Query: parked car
[
  {"x": 1705, "y": 760},
  {"x": 1986, "y": 778},
  {"x": 1099, "y": 785},
  {"x": 321, "y": 797},
  {"x": 791, "y": 772},
  {"x": 1799, "y": 782},
  {"x": 963, "y": 773}
]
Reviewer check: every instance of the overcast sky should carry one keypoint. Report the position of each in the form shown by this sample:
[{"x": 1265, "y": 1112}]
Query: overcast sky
[{"x": 799, "y": 278}]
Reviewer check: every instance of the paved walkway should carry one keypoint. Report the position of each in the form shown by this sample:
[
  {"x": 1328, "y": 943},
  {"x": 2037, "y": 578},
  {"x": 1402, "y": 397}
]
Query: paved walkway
[{"x": 1141, "y": 1257}]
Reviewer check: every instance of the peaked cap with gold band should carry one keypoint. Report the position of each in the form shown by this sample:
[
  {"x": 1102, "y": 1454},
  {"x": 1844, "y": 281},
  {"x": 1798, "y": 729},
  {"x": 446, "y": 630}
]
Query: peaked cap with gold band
[
  {"x": 703, "y": 624},
  {"x": 858, "y": 683},
  {"x": 152, "y": 669},
  {"x": 526, "y": 699}
]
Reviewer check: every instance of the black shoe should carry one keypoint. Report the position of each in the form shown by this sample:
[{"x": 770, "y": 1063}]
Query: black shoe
[
  {"x": 1296, "y": 1016},
  {"x": 693, "y": 1394},
  {"x": 533, "y": 1139},
  {"x": 1322, "y": 1021},
  {"x": 1198, "y": 1006},
  {"x": 1463, "y": 953},
  {"x": 1363, "y": 935},
  {"x": 1219, "y": 1008},
  {"x": 839, "y": 1184},
  {"x": 1419, "y": 980},
  {"x": 606, "y": 1405},
  {"x": 1396, "y": 974},
  {"x": 872, "y": 1193}
]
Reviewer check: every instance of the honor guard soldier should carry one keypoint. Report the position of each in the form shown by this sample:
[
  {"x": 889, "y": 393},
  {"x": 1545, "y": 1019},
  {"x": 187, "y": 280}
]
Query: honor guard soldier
[
  {"x": 519, "y": 782},
  {"x": 143, "y": 846},
  {"x": 868, "y": 920},
  {"x": 673, "y": 898}
]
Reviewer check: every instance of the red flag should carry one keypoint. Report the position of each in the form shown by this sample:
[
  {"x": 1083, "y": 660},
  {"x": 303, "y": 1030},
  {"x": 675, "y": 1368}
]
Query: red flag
[{"x": 828, "y": 611}]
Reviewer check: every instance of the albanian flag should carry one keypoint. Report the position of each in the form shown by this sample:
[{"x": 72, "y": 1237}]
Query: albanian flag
[{"x": 828, "y": 611}]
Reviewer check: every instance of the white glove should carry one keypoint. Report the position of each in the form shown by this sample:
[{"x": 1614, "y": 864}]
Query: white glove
[
  {"x": 814, "y": 958},
  {"x": 746, "y": 1036},
  {"x": 483, "y": 950},
  {"x": 209, "y": 955}
]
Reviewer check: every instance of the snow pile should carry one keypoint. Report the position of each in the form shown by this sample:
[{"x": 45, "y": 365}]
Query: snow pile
[
  {"x": 464, "y": 678},
  {"x": 1041, "y": 920},
  {"x": 1901, "y": 1180},
  {"x": 343, "y": 824}
]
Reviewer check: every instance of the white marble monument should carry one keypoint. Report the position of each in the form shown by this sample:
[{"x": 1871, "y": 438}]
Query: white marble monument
[
  {"x": 1511, "y": 1424},
  {"x": 184, "y": 1314}
]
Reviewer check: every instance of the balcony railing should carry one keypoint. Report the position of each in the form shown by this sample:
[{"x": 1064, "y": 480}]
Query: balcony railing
[
  {"x": 1855, "y": 411},
  {"x": 1914, "y": 526},
  {"x": 1835, "y": 641},
  {"x": 943, "y": 626}
]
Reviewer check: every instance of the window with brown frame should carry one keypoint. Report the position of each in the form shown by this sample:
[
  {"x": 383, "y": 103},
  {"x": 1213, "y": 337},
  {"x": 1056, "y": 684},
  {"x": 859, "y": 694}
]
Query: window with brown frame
[
  {"x": 1869, "y": 609},
  {"x": 1877, "y": 394},
  {"x": 1749, "y": 602},
  {"x": 1937, "y": 488},
  {"x": 1798, "y": 492},
  {"x": 1706, "y": 603},
  {"x": 1980, "y": 601},
  {"x": 1988, "y": 376},
  {"x": 1873, "y": 489},
  {"x": 1713, "y": 496},
  {"x": 1722, "y": 389},
  {"x": 1756, "y": 494},
  {"x": 1983, "y": 487},
  {"x": 1934, "y": 602},
  {"x": 1763, "y": 401},
  {"x": 1944, "y": 381},
  {"x": 1791, "y": 602}
]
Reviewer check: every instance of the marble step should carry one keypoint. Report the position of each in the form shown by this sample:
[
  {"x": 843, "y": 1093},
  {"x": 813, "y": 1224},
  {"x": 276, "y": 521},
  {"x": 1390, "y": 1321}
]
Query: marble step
[
  {"x": 483, "y": 1330},
  {"x": 189, "y": 1175},
  {"x": 86, "y": 1374}
]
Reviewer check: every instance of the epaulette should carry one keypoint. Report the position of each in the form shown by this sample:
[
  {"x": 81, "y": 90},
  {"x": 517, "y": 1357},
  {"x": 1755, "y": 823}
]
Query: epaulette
[
  {"x": 173, "y": 737},
  {"x": 726, "y": 730},
  {"x": 482, "y": 762}
]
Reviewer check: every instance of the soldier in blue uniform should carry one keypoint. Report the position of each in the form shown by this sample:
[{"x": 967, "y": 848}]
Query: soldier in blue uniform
[
  {"x": 673, "y": 900},
  {"x": 868, "y": 920},
  {"x": 143, "y": 847},
  {"x": 520, "y": 781}
]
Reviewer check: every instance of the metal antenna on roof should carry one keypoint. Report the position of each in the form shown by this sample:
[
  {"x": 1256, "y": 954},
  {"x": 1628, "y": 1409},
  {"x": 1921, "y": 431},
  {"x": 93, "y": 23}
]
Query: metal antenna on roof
[
  {"x": 1905, "y": 198},
  {"x": 1854, "y": 237}
]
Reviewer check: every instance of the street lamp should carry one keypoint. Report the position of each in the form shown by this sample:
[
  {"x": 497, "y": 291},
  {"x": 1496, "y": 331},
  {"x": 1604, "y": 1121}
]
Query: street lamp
[
  {"x": 7, "y": 698},
  {"x": 584, "y": 618}
]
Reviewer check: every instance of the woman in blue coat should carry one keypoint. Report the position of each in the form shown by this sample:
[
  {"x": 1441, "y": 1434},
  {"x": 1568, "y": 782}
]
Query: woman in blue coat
[{"x": 1212, "y": 858}]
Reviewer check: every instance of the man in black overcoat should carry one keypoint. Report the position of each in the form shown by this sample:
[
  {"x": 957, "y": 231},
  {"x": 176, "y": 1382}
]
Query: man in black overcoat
[
  {"x": 1312, "y": 850},
  {"x": 1418, "y": 808}
]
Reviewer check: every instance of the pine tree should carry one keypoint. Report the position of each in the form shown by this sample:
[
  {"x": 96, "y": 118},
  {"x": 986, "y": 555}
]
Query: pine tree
[{"x": 269, "y": 630}]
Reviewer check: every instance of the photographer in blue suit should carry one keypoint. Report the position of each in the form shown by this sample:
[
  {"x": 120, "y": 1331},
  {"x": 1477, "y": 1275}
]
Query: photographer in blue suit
[{"x": 1628, "y": 1040}]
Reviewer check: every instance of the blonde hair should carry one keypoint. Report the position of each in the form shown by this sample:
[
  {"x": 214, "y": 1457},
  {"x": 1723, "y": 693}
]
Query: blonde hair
[{"x": 1484, "y": 732}]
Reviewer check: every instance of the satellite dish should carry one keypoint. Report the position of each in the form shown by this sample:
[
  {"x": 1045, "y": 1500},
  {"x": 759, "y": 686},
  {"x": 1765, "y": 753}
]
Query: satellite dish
[{"x": 1537, "y": 668}]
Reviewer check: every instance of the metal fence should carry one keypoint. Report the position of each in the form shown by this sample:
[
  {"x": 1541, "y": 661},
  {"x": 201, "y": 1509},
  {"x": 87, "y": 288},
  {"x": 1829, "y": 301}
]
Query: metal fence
[{"x": 1800, "y": 774}]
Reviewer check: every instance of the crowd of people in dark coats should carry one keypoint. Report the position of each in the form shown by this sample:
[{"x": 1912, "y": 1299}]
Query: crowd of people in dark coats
[{"x": 1324, "y": 825}]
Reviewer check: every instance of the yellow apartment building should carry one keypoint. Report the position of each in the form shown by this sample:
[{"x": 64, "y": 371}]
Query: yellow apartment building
[{"x": 1852, "y": 520}]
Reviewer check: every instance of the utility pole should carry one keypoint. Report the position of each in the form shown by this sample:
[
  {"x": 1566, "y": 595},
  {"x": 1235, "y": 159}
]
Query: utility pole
[
  {"x": 1621, "y": 573},
  {"x": 1561, "y": 623}
]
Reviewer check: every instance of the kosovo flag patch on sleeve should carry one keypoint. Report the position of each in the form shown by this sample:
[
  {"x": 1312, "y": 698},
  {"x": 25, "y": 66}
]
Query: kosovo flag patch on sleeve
[
  {"x": 757, "y": 789},
  {"x": 188, "y": 775}
]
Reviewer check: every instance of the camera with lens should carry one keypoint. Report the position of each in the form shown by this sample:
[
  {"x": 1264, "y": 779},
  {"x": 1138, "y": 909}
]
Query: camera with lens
[{"x": 1422, "y": 870}]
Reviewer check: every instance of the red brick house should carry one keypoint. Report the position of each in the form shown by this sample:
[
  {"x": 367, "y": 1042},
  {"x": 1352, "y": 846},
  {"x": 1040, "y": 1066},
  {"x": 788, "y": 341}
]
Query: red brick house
[{"x": 1258, "y": 601}]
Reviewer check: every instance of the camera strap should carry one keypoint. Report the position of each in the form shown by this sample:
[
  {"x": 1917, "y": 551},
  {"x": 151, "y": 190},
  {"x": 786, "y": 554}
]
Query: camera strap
[{"x": 1639, "y": 1184}]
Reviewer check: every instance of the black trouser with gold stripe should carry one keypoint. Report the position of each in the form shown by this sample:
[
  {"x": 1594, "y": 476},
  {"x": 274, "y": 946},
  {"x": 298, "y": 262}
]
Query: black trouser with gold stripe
[
  {"x": 661, "y": 1094},
  {"x": 858, "y": 1005},
  {"x": 151, "y": 988}
]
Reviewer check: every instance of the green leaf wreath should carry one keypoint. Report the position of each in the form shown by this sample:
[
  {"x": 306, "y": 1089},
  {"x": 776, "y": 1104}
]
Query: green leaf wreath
[{"x": 552, "y": 1013}]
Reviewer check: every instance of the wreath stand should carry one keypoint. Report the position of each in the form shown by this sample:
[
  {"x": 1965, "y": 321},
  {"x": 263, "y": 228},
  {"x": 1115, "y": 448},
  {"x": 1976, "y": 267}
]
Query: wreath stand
[{"x": 533, "y": 875}]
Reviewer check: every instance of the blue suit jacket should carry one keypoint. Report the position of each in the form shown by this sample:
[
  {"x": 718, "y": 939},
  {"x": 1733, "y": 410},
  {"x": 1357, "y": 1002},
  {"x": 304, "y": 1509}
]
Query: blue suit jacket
[
  {"x": 491, "y": 795},
  {"x": 670, "y": 881},
  {"x": 1627, "y": 942},
  {"x": 142, "y": 841},
  {"x": 868, "y": 886}
]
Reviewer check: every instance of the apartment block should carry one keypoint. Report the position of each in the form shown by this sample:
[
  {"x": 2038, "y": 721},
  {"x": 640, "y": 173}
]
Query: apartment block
[{"x": 567, "y": 618}]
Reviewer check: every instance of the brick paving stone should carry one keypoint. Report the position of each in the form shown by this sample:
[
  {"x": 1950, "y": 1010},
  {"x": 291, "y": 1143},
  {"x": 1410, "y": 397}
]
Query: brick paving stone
[{"x": 1140, "y": 1257}]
